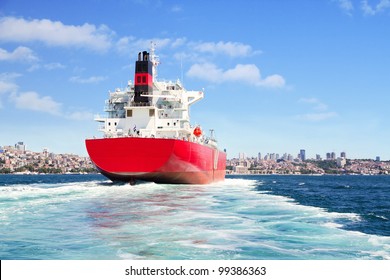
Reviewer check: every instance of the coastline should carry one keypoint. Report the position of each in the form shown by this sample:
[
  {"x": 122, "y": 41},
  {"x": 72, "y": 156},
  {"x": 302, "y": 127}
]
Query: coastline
[{"x": 314, "y": 175}]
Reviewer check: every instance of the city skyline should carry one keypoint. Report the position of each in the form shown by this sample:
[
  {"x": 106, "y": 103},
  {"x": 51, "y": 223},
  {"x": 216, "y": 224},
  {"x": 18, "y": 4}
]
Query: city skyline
[
  {"x": 19, "y": 160},
  {"x": 276, "y": 76},
  {"x": 291, "y": 156}
]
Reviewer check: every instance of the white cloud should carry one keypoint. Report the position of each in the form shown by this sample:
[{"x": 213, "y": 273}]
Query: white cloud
[
  {"x": 90, "y": 80},
  {"x": 7, "y": 87},
  {"x": 345, "y": 5},
  {"x": 33, "y": 101},
  {"x": 80, "y": 116},
  {"x": 19, "y": 54},
  {"x": 55, "y": 33},
  {"x": 318, "y": 105},
  {"x": 320, "y": 111},
  {"x": 7, "y": 84},
  {"x": 179, "y": 42},
  {"x": 232, "y": 49},
  {"x": 48, "y": 66},
  {"x": 275, "y": 81},
  {"x": 373, "y": 10},
  {"x": 130, "y": 44},
  {"x": 246, "y": 73},
  {"x": 53, "y": 66},
  {"x": 206, "y": 71}
]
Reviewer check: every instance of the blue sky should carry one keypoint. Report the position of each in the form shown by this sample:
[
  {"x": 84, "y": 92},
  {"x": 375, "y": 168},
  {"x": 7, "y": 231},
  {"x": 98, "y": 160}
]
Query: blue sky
[{"x": 278, "y": 76}]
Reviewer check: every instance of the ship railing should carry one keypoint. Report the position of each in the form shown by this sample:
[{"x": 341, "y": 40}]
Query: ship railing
[
  {"x": 140, "y": 104},
  {"x": 108, "y": 108},
  {"x": 148, "y": 134},
  {"x": 169, "y": 105}
]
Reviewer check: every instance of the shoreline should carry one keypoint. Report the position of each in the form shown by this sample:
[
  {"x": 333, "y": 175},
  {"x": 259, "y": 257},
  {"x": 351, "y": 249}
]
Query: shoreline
[{"x": 317, "y": 175}]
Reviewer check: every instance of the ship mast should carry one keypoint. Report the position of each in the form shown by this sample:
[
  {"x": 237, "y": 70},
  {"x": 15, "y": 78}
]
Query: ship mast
[{"x": 154, "y": 59}]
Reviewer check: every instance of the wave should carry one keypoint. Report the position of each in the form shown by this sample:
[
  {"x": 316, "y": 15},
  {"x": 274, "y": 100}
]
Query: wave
[{"x": 230, "y": 219}]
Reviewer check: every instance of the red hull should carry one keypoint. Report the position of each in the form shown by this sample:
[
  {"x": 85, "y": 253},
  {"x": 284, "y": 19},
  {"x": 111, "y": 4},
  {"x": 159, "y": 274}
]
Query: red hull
[{"x": 158, "y": 160}]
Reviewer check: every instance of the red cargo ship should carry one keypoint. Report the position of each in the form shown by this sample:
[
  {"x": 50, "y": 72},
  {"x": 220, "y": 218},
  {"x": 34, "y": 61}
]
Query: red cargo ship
[{"x": 148, "y": 136}]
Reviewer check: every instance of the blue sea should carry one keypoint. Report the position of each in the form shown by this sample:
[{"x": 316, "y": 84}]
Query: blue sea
[{"x": 249, "y": 217}]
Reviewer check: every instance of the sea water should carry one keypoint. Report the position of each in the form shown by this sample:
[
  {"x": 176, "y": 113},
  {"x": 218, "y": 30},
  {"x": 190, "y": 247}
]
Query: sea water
[{"x": 249, "y": 217}]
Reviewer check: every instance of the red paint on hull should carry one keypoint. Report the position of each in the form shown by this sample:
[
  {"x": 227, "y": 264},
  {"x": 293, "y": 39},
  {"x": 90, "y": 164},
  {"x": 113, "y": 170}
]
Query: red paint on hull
[{"x": 157, "y": 160}]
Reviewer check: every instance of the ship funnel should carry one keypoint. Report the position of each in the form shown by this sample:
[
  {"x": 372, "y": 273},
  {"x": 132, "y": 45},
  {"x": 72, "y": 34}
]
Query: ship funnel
[
  {"x": 143, "y": 80},
  {"x": 145, "y": 56}
]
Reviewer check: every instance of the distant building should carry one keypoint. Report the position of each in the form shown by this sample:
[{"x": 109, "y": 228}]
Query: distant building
[
  {"x": 302, "y": 155},
  {"x": 318, "y": 157},
  {"x": 20, "y": 147},
  {"x": 378, "y": 158},
  {"x": 341, "y": 162},
  {"x": 333, "y": 155},
  {"x": 241, "y": 169},
  {"x": 45, "y": 152},
  {"x": 343, "y": 155}
]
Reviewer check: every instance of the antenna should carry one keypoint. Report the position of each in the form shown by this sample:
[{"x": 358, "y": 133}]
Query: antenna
[
  {"x": 154, "y": 59},
  {"x": 181, "y": 69},
  {"x": 212, "y": 134}
]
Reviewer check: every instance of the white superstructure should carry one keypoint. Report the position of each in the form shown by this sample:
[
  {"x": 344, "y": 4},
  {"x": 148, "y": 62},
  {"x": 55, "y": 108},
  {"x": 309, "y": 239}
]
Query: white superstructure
[{"x": 165, "y": 114}]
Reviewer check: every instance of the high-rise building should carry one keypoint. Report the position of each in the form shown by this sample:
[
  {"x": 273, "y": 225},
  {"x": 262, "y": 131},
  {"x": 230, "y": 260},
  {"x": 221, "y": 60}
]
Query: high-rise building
[
  {"x": 302, "y": 155},
  {"x": 333, "y": 155},
  {"x": 343, "y": 155},
  {"x": 20, "y": 146}
]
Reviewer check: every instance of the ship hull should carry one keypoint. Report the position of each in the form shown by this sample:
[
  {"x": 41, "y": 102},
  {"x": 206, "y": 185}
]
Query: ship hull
[{"x": 169, "y": 161}]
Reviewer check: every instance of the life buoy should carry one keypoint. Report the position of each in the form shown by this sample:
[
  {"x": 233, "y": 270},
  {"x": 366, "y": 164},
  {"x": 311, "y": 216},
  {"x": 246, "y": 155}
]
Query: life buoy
[{"x": 197, "y": 131}]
